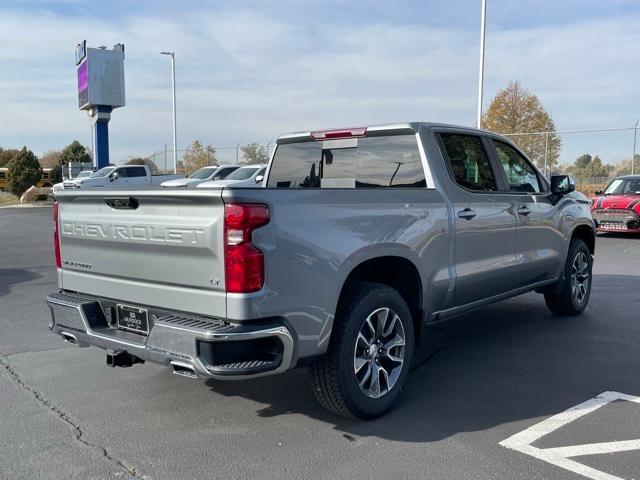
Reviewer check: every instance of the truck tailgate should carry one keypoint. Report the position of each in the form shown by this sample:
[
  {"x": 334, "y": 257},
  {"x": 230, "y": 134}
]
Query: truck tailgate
[{"x": 147, "y": 247}]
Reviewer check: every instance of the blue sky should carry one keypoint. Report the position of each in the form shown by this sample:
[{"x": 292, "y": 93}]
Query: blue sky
[{"x": 248, "y": 71}]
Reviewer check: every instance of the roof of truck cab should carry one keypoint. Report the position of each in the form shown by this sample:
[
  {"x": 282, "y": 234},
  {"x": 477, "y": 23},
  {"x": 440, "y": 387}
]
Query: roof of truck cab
[{"x": 378, "y": 128}]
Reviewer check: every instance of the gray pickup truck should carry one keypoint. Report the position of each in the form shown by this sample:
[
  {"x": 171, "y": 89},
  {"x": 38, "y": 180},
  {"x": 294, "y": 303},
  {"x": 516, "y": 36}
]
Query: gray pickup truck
[{"x": 359, "y": 239}]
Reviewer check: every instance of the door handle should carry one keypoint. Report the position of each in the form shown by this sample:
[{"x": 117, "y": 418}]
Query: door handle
[
  {"x": 467, "y": 214},
  {"x": 523, "y": 210}
]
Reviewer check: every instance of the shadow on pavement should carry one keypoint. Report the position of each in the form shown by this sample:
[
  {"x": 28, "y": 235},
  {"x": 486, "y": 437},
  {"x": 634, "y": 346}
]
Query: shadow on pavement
[
  {"x": 507, "y": 362},
  {"x": 14, "y": 276}
]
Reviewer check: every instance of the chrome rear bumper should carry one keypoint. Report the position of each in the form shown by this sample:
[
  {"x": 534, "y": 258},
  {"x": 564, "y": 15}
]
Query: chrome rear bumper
[{"x": 174, "y": 340}]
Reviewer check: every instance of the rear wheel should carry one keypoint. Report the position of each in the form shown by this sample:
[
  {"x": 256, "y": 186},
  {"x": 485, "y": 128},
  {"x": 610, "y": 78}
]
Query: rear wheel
[
  {"x": 572, "y": 295},
  {"x": 368, "y": 360}
]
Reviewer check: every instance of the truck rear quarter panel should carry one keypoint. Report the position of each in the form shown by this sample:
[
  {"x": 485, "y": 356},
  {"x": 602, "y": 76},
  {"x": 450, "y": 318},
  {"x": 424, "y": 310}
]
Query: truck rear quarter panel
[{"x": 316, "y": 237}]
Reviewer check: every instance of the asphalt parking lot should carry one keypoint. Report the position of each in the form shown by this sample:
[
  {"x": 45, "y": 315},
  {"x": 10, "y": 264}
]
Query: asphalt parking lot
[{"x": 478, "y": 380}]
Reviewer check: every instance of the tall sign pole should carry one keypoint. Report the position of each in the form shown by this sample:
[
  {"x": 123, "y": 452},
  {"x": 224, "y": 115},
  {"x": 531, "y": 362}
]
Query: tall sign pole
[{"x": 483, "y": 25}]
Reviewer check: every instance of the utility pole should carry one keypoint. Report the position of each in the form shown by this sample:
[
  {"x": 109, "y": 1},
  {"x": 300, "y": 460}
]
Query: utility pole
[
  {"x": 483, "y": 24},
  {"x": 173, "y": 95},
  {"x": 546, "y": 150}
]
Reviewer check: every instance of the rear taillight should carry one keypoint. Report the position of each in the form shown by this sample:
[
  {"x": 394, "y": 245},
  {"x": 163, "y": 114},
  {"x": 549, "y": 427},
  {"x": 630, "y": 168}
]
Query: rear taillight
[
  {"x": 243, "y": 262},
  {"x": 56, "y": 235}
]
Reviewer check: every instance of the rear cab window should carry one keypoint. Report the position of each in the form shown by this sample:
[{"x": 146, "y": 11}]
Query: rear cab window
[{"x": 391, "y": 161}]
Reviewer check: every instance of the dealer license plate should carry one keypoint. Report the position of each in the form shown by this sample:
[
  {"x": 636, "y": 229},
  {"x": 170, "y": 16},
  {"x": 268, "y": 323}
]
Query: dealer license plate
[{"x": 133, "y": 319}]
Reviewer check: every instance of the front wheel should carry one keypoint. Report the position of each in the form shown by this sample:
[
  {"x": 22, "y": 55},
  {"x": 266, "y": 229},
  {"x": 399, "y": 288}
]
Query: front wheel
[
  {"x": 572, "y": 295},
  {"x": 366, "y": 366}
]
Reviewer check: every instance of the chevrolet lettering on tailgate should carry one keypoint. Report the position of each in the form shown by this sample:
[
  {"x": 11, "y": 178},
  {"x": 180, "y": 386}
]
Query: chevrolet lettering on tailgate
[{"x": 133, "y": 232}]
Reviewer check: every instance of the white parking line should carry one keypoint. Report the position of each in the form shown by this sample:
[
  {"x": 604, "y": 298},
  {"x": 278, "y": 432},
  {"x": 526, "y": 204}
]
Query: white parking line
[{"x": 560, "y": 456}]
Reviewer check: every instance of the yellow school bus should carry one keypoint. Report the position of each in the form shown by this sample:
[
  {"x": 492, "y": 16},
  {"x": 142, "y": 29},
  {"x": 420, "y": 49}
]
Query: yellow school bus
[
  {"x": 45, "y": 180},
  {"x": 4, "y": 172}
]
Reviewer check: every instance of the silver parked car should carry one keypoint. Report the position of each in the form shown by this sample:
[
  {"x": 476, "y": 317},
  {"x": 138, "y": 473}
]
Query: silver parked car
[
  {"x": 248, "y": 176},
  {"x": 361, "y": 238},
  {"x": 205, "y": 174}
]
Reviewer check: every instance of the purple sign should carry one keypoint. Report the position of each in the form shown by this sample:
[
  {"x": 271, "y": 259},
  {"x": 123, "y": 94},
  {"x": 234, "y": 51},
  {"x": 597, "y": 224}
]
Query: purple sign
[{"x": 83, "y": 77}]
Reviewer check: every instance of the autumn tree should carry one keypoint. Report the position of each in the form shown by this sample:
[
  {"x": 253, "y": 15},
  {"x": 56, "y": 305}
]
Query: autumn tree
[
  {"x": 198, "y": 156},
  {"x": 6, "y": 154},
  {"x": 624, "y": 167},
  {"x": 253, "y": 153},
  {"x": 50, "y": 159},
  {"x": 24, "y": 172},
  {"x": 516, "y": 110}
]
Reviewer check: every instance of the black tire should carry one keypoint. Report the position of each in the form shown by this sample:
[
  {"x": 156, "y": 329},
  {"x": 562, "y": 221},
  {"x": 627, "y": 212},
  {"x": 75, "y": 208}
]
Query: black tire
[
  {"x": 561, "y": 298},
  {"x": 334, "y": 378}
]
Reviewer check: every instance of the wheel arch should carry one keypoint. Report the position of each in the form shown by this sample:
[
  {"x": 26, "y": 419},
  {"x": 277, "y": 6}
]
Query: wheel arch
[
  {"x": 587, "y": 234},
  {"x": 395, "y": 270}
]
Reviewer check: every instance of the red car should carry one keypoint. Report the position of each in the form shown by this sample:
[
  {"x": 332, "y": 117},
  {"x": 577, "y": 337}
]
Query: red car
[{"x": 617, "y": 209}]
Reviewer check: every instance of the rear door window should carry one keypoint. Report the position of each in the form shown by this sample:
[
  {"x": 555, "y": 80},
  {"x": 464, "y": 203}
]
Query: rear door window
[
  {"x": 521, "y": 176},
  {"x": 370, "y": 162},
  {"x": 468, "y": 162}
]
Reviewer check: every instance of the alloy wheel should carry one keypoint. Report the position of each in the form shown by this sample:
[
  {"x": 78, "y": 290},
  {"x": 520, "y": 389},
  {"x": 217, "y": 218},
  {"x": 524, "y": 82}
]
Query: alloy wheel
[
  {"x": 580, "y": 277},
  {"x": 379, "y": 352}
]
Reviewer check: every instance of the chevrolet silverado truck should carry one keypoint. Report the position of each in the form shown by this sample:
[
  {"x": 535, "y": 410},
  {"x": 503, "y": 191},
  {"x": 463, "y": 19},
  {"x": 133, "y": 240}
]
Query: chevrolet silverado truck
[
  {"x": 117, "y": 176},
  {"x": 360, "y": 238}
]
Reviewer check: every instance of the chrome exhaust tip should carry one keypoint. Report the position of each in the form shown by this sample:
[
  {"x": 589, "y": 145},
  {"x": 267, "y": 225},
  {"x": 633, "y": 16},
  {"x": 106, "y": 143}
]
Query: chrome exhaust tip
[
  {"x": 69, "y": 338},
  {"x": 184, "y": 369}
]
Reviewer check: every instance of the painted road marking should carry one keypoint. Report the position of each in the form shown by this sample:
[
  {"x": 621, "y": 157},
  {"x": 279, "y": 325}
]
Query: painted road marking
[{"x": 561, "y": 456}]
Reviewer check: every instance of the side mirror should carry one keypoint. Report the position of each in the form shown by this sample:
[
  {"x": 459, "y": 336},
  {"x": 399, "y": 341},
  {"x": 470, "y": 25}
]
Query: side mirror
[
  {"x": 259, "y": 178},
  {"x": 114, "y": 176},
  {"x": 562, "y": 184},
  {"x": 598, "y": 192}
]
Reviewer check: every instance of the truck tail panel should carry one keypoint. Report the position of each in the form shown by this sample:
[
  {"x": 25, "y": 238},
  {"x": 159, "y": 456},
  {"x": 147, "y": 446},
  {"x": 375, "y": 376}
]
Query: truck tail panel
[{"x": 145, "y": 247}]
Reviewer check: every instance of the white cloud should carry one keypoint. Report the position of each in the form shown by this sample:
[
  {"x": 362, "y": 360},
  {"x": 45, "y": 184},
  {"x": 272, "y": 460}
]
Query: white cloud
[{"x": 245, "y": 76}]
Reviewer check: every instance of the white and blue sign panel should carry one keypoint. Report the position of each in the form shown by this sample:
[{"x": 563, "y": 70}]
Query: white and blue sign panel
[{"x": 100, "y": 75}]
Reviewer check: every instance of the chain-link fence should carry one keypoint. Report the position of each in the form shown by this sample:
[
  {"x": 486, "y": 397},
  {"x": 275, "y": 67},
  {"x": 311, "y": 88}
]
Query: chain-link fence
[
  {"x": 197, "y": 156},
  {"x": 593, "y": 155}
]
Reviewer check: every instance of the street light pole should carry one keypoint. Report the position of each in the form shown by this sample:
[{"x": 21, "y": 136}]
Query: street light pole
[
  {"x": 173, "y": 95},
  {"x": 635, "y": 138},
  {"x": 483, "y": 24}
]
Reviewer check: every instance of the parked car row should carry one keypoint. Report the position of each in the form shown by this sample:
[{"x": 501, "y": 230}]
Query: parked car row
[
  {"x": 136, "y": 176},
  {"x": 221, "y": 176},
  {"x": 116, "y": 176}
]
